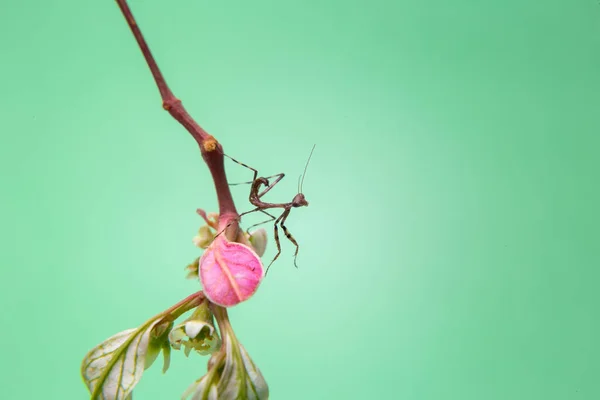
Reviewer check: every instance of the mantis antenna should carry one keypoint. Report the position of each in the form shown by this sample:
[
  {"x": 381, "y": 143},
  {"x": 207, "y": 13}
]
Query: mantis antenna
[{"x": 305, "y": 167}]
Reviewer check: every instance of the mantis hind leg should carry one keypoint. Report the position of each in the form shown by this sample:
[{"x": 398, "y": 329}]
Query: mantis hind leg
[
  {"x": 276, "y": 234},
  {"x": 271, "y": 218},
  {"x": 289, "y": 235},
  {"x": 239, "y": 217}
]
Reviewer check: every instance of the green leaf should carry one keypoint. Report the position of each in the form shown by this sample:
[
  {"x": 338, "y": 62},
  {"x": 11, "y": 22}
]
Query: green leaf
[
  {"x": 231, "y": 375},
  {"x": 113, "y": 368},
  {"x": 159, "y": 340}
]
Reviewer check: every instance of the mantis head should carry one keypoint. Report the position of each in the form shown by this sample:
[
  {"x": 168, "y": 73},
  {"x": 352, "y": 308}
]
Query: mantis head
[{"x": 299, "y": 201}]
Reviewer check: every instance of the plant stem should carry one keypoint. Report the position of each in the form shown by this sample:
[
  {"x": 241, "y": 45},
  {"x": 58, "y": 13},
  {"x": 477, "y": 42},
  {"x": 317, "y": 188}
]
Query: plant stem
[
  {"x": 222, "y": 318},
  {"x": 193, "y": 300},
  {"x": 211, "y": 149}
]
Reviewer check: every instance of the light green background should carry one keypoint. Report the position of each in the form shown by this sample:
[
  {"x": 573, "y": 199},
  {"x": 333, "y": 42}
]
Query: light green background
[{"x": 450, "y": 249}]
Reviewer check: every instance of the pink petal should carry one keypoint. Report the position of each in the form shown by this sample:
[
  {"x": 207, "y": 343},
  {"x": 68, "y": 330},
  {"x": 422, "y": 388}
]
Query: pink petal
[{"x": 230, "y": 272}]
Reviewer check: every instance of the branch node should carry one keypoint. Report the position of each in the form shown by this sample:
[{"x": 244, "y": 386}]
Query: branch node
[
  {"x": 210, "y": 144},
  {"x": 168, "y": 104}
]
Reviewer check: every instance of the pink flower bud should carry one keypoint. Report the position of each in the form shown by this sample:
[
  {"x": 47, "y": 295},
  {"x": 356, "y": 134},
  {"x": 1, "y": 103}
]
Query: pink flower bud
[{"x": 230, "y": 272}]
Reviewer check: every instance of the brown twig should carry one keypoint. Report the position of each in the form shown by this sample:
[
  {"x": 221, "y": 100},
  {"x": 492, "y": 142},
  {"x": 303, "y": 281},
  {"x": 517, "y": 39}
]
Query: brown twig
[{"x": 211, "y": 150}]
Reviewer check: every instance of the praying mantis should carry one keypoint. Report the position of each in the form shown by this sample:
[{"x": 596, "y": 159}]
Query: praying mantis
[{"x": 255, "y": 198}]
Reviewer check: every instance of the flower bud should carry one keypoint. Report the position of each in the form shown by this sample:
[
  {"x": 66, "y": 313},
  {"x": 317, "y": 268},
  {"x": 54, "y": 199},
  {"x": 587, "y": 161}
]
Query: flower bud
[
  {"x": 197, "y": 333},
  {"x": 192, "y": 269},
  {"x": 258, "y": 240},
  {"x": 204, "y": 237}
]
